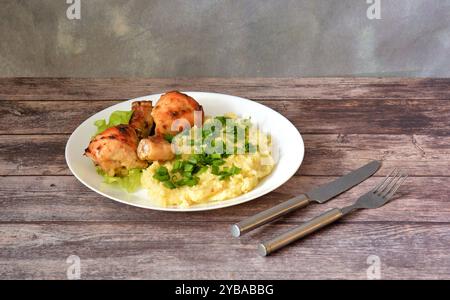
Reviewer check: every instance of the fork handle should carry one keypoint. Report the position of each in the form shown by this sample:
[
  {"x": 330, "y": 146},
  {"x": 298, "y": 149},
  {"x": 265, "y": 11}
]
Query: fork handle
[
  {"x": 269, "y": 215},
  {"x": 299, "y": 232}
]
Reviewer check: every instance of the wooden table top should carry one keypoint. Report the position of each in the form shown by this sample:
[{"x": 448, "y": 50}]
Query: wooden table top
[{"x": 46, "y": 215}]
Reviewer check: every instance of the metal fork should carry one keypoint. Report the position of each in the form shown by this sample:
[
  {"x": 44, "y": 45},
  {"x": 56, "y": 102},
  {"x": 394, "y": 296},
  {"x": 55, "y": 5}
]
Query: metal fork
[{"x": 375, "y": 198}]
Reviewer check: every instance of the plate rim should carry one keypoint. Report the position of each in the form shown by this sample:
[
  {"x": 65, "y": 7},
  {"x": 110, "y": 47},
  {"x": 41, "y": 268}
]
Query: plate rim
[{"x": 195, "y": 208}]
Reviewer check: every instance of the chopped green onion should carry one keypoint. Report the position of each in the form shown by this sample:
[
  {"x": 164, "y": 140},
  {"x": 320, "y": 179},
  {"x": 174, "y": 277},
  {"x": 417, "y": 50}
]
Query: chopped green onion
[
  {"x": 202, "y": 170},
  {"x": 162, "y": 170},
  {"x": 218, "y": 162},
  {"x": 235, "y": 170},
  {"x": 192, "y": 160},
  {"x": 216, "y": 156},
  {"x": 188, "y": 167},
  {"x": 161, "y": 177},
  {"x": 169, "y": 184},
  {"x": 177, "y": 165},
  {"x": 215, "y": 170}
]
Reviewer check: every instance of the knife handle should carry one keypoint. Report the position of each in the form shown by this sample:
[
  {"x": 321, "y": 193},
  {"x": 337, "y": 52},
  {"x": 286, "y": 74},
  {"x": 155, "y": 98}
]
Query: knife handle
[
  {"x": 269, "y": 215},
  {"x": 303, "y": 230}
]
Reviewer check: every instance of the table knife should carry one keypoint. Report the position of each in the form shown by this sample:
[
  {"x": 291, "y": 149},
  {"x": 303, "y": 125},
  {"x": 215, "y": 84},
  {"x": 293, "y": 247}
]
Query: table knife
[{"x": 320, "y": 194}]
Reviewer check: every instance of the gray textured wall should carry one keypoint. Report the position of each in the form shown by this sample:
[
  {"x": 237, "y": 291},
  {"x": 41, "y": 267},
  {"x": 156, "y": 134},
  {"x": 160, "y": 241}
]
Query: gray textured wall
[{"x": 224, "y": 38}]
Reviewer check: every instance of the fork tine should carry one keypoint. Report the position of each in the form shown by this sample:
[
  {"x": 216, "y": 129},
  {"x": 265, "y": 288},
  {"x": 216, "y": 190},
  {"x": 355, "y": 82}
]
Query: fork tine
[
  {"x": 386, "y": 181},
  {"x": 392, "y": 192},
  {"x": 391, "y": 184},
  {"x": 382, "y": 182}
]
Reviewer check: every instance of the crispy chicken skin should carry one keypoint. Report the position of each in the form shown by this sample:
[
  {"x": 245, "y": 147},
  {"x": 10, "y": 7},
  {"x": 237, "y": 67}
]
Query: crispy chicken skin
[
  {"x": 155, "y": 148},
  {"x": 114, "y": 150},
  {"x": 173, "y": 106},
  {"x": 141, "y": 120}
]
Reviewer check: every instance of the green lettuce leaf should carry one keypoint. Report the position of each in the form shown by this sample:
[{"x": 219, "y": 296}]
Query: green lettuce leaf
[
  {"x": 130, "y": 183},
  {"x": 117, "y": 118}
]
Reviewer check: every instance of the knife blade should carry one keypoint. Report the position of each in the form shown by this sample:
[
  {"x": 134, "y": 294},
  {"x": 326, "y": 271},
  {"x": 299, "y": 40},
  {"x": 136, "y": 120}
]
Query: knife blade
[
  {"x": 320, "y": 194},
  {"x": 336, "y": 187}
]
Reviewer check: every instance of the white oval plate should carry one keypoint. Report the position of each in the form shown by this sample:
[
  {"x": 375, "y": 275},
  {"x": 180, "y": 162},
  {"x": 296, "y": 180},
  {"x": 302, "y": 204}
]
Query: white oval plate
[{"x": 287, "y": 145}]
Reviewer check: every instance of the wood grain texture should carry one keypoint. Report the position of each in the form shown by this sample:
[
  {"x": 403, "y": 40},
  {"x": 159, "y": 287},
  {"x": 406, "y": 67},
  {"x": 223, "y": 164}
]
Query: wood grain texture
[
  {"x": 326, "y": 154},
  {"x": 309, "y": 116},
  {"x": 47, "y": 215},
  {"x": 63, "y": 198},
  {"x": 165, "y": 250},
  {"x": 253, "y": 88}
]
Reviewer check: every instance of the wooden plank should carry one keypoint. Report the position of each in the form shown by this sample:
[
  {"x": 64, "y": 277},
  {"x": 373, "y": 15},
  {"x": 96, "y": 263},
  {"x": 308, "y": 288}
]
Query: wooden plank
[
  {"x": 326, "y": 154},
  {"x": 33, "y": 155},
  {"x": 254, "y": 88},
  {"x": 44, "y": 117},
  {"x": 418, "y": 155},
  {"x": 168, "y": 250},
  {"x": 63, "y": 198},
  {"x": 309, "y": 116}
]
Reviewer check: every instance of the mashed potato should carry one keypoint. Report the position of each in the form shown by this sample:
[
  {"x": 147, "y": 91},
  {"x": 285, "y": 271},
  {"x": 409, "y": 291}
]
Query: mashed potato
[{"x": 253, "y": 167}]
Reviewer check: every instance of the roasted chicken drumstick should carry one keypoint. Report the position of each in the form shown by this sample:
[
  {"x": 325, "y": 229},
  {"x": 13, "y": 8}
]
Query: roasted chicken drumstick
[
  {"x": 142, "y": 120},
  {"x": 114, "y": 150},
  {"x": 171, "y": 107}
]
